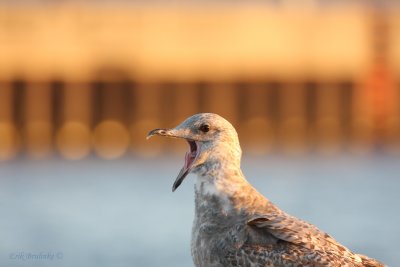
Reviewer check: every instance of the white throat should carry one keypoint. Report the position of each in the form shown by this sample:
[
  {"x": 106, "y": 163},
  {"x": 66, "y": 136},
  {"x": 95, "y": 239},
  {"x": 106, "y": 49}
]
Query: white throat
[{"x": 207, "y": 190}]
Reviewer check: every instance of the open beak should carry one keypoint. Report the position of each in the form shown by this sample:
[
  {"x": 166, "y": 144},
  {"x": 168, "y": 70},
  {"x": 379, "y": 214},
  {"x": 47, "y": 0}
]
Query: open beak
[{"x": 190, "y": 156}]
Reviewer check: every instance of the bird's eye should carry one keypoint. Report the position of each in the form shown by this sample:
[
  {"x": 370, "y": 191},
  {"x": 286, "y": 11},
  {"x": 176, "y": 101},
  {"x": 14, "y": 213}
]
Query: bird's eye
[{"x": 204, "y": 128}]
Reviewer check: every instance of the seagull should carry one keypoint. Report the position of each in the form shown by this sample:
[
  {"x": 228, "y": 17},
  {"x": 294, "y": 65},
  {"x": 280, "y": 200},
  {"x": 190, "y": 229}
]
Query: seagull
[{"x": 234, "y": 224}]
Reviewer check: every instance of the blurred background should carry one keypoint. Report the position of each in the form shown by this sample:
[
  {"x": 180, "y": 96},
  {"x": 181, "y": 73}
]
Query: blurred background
[{"x": 313, "y": 88}]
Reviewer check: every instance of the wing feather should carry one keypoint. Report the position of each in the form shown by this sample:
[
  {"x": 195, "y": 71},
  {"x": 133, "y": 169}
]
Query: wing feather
[{"x": 301, "y": 233}]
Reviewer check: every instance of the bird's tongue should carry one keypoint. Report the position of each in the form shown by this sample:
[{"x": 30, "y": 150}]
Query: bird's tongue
[{"x": 189, "y": 158}]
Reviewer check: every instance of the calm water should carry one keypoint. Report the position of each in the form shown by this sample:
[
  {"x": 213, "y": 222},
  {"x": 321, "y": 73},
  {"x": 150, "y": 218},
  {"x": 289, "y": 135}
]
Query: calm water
[{"x": 123, "y": 213}]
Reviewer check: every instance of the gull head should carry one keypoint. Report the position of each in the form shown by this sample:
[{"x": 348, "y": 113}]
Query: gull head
[{"x": 211, "y": 138}]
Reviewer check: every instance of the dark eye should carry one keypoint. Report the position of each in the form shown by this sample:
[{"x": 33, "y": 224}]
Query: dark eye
[{"x": 204, "y": 128}]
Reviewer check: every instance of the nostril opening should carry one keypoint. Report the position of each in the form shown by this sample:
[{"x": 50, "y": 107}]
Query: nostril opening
[{"x": 163, "y": 132}]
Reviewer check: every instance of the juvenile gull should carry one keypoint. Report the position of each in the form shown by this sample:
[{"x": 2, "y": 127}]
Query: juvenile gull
[{"x": 234, "y": 224}]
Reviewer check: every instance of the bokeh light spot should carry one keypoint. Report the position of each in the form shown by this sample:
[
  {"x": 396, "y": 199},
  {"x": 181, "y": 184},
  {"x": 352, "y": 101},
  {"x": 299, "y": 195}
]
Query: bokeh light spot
[
  {"x": 74, "y": 140},
  {"x": 9, "y": 140},
  {"x": 111, "y": 139}
]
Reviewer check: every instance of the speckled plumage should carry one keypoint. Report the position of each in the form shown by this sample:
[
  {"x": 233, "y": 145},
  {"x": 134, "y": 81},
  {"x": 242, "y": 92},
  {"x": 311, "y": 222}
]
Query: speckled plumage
[{"x": 234, "y": 224}]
